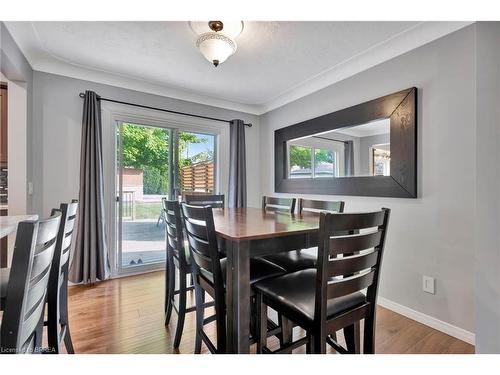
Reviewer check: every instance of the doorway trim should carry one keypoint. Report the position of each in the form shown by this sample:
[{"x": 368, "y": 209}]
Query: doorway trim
[{"x": 112, "y": 114}]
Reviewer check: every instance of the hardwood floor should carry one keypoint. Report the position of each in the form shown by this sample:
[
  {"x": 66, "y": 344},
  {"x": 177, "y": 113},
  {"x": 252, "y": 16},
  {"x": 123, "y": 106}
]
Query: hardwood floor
[{"x": 126, "y": 316}]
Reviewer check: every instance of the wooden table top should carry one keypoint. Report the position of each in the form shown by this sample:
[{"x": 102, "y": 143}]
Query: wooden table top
[
  {"x": 253, "y": 223},
  {"x": 8, "y": 224}
]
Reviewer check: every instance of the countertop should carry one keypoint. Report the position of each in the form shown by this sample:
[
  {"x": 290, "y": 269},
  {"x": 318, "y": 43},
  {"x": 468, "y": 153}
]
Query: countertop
[{"x": 8, "y": 224}]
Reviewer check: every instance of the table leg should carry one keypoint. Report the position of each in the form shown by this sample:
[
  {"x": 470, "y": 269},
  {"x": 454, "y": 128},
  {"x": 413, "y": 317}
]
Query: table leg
[{"x": 238, "y": 296}]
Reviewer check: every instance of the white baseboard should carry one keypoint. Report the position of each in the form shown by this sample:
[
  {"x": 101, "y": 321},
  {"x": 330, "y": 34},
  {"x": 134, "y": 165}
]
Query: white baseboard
[{"x": 428, "y": 320}]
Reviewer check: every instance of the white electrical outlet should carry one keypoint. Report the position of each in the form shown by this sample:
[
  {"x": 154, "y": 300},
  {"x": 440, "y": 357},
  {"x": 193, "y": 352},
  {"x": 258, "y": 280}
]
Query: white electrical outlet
[
  {"x": 429, "y": 285},
  {"x": 30, "y": 188}
]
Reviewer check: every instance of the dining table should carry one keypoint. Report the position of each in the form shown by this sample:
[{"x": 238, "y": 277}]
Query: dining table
[
  {"x": 245, "y": 233},
  {"x": 8, "y": 224}
]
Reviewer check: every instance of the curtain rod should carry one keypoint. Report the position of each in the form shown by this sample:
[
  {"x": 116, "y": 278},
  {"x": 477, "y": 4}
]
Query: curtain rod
[
  {"x": 82, "y": 95},
  {"x": 329, "y": 139}
]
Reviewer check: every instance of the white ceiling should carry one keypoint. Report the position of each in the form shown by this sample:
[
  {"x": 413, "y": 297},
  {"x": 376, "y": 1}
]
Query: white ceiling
[{"x": 276, "y": 62}]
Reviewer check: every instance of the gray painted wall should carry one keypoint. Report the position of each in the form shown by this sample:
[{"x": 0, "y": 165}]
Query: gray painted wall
[
  {"x": 15, "y": 67},
  {"x": 487, "y": 234},
  {"x": 431, "y": 235},
  {"x": 58, "y": 114}
]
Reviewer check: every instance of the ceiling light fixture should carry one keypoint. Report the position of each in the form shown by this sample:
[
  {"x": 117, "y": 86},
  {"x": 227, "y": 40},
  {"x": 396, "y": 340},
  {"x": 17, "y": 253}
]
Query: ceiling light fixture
[{"x": 215, "y": 45}]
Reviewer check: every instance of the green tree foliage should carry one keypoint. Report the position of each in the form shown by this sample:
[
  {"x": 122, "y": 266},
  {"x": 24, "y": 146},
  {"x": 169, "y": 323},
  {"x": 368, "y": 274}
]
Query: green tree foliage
[
  {"x": 300, "y": 156},
  {"x": 322, "y": 155},
  {"x": 147, "y": 148}
]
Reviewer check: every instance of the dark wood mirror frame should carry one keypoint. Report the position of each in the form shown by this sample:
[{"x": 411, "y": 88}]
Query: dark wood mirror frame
[{"x": 400, "y": 108}]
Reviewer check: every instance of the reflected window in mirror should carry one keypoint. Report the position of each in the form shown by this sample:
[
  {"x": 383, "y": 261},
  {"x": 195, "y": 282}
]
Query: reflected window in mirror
[
  {"x": 361, "y": 150},
  {"x": 312, "y": 159}
]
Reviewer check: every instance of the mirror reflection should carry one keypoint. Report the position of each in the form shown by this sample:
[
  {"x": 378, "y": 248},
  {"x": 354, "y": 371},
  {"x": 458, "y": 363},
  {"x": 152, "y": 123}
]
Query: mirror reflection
[{"x": 361, "y": 150}]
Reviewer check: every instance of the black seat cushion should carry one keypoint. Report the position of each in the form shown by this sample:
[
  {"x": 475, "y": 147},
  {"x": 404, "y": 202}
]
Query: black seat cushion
[
  {"x": 293, "y": 295},
  {"x": 293, "y": 261},
  {"x": 259, "y": 270}
]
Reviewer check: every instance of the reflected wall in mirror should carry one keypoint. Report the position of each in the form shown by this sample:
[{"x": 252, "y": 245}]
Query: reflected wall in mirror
[
  {"x": 360, "y": 150},
  {"x": 368, "y": 149}
]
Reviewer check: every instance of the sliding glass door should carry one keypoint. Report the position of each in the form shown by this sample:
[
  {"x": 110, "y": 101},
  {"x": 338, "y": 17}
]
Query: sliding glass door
[
  {"x": 152, "y": 163},
  {"x": 143, "y": 179}
]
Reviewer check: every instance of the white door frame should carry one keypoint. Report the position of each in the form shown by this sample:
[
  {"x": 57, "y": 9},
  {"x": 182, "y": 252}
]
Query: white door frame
[{"x": 112, "y": 114}]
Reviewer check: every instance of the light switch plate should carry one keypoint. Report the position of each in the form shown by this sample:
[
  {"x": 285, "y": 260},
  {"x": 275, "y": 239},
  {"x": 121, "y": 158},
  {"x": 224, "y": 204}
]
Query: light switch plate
[{"x": 429, "y": 284}]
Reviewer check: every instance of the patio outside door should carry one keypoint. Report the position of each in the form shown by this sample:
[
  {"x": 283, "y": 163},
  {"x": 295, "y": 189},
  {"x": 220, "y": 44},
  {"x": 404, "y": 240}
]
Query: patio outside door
[
  {"x": 152, "y": 163},
  {"x": 145, "y": 175}
]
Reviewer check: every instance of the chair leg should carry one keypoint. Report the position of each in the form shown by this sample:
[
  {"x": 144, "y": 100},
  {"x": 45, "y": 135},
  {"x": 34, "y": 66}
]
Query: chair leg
[
  {"x": 317, "y": 344},
  {"x": 38, "y": 348},
  {"x": 63, "y": 313},
  {"x": 369, "y": 335},
  {"x": 352, "y": 338},
  {"x": 53, "y": 323},
  {"x": 169, "y": 295},
  {"x": 312, "y": 344},
  {"x": 68, "y": 343},
  {"x": 286, "y": 331},
  {"x": 200, "y": 315},
  {"x": 308, "y": 343},
  {"x": 182, "y": 309},
  {"x": 261, "y": 315}
]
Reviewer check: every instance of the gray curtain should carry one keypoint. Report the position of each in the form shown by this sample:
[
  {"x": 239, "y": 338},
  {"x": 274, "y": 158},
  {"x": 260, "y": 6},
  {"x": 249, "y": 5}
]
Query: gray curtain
[
  {"x": 90, "y": 260},
  {"x": 237, "y": 165},
  {"x": 348, "y": 158}
]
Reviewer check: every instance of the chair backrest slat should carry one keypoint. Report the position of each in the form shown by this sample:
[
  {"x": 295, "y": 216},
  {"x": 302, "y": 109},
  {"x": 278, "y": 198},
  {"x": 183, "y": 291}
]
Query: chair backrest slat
[
  {"x": 175, "y": 231},
  {"x": 41, "y": 263},
  {"x": 197, "y": 229},
  {"x": 212, "y": 200},
  {"x": 310, "y": 205},
  {"x": 202, "y": 261},
  {"x": 22, "y": 322},
  {"x": 356, "y": 242},
  {"x": 352, "y": 264},
  {"x": 349, "y": 262},
  {"x": 349, "y": 285},
  {"x": 45, "y": 234},
  {"x": 356, "y": 221},
  {"x": 278, "y": 204}
]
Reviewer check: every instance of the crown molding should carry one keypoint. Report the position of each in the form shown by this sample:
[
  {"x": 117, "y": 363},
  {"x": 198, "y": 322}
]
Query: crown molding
[
  {"x": 423, "y": 33},
  {"x": 69, "y": 70},
  {"x": 406, "y": 41}
]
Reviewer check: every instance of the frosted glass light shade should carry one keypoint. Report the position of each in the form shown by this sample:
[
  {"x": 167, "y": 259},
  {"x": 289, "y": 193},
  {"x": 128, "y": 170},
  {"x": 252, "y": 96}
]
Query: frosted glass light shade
[{"x": 216, "y": 47}]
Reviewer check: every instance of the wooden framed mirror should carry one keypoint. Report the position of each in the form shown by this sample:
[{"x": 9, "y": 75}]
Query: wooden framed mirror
[{"x": 369, "y": 149}]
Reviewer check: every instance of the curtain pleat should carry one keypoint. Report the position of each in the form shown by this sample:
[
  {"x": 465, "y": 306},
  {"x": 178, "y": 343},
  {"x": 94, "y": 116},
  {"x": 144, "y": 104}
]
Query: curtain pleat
[
  {"x": 237, "y": 165},
  {"x": 90, "y": 260},
  {"x": 349, "y": 158}
]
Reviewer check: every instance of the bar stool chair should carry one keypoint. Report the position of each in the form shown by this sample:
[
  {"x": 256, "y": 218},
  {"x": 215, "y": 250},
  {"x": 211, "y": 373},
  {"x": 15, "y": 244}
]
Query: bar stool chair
[
  {"x": 210, "y": 273},
  {"x": 57, "y": 295},
  {"x": 178, "y": 261},
  {"x": 297, "y": 260},
  {"x": 22, "y": 321},
  {"x": 329, "y": 298}
]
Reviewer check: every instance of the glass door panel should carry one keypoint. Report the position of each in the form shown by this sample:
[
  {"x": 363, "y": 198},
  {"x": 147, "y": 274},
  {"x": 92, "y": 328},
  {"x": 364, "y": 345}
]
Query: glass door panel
[
  {"x": 196, "y": 163},
  {"x": 143, "y": 179}
]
